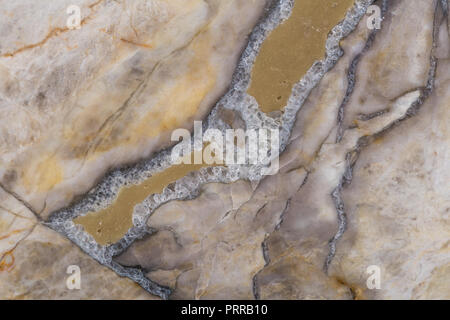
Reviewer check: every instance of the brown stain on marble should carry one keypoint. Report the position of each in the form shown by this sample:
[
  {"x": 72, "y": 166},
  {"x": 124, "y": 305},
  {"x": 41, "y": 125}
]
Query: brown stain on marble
[
  {"x": 291, "y": 49},
  {"x": 143, "y": 45},
  {"x": 109, "y": 225},
  {"x": 7, "y": 261}
]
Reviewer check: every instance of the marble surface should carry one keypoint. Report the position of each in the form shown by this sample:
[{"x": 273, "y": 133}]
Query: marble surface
[
  {"x": 86, "y": 178},
  {"x": 83, "y": 101}
]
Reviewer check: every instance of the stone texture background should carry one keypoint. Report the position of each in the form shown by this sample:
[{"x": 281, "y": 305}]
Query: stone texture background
[{"x": 364, "y": 180}]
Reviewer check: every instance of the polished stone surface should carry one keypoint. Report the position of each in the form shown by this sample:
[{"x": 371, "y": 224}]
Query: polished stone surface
[
  {"x": 86, "y": 179},
  {"x": 77, "y": 102}
]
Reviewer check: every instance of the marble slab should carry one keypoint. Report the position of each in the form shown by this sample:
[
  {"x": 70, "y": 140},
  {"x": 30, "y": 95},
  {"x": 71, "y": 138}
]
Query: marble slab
[{"x": 359, "y": 207}]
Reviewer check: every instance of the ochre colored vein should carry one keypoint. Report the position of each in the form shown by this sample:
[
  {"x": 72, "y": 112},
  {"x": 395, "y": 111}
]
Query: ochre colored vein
[{"x": 52, "y": 33}]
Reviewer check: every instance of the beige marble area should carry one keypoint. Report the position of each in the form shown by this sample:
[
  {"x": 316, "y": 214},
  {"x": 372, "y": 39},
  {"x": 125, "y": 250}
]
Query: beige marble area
[
  {"x": 398, "y": 207},
  {"x": 16, "y": 223},
  {"x": 34, "y": 262},
  {"x": 74, "y": 103},
  {"x": 363, "y": 180}
]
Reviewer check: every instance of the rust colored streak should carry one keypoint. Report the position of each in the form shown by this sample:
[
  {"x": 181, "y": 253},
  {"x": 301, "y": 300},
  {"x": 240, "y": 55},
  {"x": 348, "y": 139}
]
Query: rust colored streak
[
  {"x": 12, "y": 233},
  {"x": 52, "y": 33},
  {"x": 6, "y": 265}
]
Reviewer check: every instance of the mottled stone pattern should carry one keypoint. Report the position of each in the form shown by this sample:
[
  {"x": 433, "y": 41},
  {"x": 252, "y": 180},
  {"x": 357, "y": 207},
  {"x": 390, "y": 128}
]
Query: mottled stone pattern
[
  {"x": 363, "y": 181},
  {"x": 398, "y": 206},
  {"x": 74, "y": 103},
  {"x": 114, "y": 89},
  {"x": 34, "y": 262},
  {"x": 281, "y": 61},
  {"x": 39, "y": 271}
]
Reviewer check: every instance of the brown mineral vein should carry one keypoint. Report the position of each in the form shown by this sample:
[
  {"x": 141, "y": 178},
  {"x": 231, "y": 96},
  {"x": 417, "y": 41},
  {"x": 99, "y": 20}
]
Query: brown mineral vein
[
  {"x": 291, "y": 49},
  {"x": 140, "y": 87},
  {"x": 109, "y": 225}
]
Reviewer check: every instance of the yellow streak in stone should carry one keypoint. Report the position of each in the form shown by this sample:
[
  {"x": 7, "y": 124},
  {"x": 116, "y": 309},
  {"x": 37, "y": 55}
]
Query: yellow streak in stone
[
  {"x": 291, "y": 49},
  {"x": 44, "y": 175},
  {"x": 111, "y": 224}
]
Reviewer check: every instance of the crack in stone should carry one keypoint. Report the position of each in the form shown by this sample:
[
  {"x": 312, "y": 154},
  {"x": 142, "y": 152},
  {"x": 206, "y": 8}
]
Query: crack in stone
[
  {"x": 138, "y": 276},
  {"x": 137, "y": 91},
  {"x": 22, "y": 201},
  {"x": 259, "y": 210},
  {"x": 353, "y": 155},
  {"x": 265, "y": 247},
  {"x": 351, "y": 76},
  {"x": 18, "y": 242},
  {"x": 286, "y": 208},
  {"x": 373, "y": 115},
  {"x": 255, "y": 287},
  {"x": 265, "y": 252}
]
